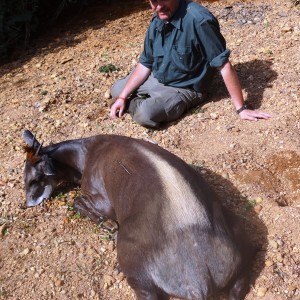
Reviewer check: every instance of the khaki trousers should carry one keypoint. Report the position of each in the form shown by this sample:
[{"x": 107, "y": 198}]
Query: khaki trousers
[{"x": 153, "y": 103}]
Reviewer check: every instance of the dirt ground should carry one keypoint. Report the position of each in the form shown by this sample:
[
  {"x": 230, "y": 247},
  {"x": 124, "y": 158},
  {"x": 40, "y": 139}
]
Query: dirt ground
[{"x": 58, "y": 92}]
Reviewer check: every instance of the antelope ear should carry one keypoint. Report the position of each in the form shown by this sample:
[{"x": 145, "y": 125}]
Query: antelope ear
[{"x": 30, "y": 140}]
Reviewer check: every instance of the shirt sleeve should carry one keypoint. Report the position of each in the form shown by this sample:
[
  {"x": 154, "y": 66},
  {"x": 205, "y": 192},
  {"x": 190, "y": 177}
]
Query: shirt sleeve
[
  {"x": 146, "y": 58},
  {"x": 213, "y": 43}
]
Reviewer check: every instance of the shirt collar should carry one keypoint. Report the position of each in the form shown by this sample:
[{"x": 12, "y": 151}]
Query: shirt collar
[{"x": 176, "y": 20}]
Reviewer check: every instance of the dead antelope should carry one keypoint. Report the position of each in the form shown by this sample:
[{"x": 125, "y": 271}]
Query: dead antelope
[{"x": 174, "y": 239}]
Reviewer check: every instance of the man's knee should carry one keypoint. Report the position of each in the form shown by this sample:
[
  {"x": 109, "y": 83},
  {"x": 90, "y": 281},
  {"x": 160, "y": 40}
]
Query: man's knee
[
  {"x": 148, "y": 116},
  {"x": 145, "y": 119}
]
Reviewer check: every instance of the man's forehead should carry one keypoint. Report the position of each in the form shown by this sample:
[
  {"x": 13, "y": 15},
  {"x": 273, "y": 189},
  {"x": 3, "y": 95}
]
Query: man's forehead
[{"x": 164, "y": 1}]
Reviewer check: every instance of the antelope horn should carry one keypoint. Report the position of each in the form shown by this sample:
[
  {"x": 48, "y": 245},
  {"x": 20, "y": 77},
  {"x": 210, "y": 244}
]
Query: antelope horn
[{"x": 38, "y": 149}]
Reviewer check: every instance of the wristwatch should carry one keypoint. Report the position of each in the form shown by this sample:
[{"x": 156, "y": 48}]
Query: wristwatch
[{"x": 245, "y": 106}]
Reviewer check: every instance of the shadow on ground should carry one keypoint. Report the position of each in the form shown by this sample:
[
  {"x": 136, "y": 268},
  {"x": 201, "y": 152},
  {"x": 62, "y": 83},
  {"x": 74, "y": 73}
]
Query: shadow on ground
[
  {"x": 232, "y": 199},
  {"x": 65, "y": 33},
  {"x": 255, "y": 77}
]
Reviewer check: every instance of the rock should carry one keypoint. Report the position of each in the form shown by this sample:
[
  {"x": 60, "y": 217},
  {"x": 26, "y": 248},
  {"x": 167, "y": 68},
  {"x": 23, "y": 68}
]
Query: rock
[
  {"x": 261, "y": 291},
  {"x": 257, "y": 208},
  {"x": 58, "y": 282},
  {"x": 107, "y": 94},
  {"x": 287, "y": 29},
  {"x": 111, "y": 246},
  {"x": 268, "y": 263},
  {"x": 108, "y": 280},
  {"x": 214, "y": 115},
  {"x": 236, "y": 129},
  {"x": 105, "y": 286},
  {"x": 258, "y": 200},
  {"x": 273, "y": 244},
  {"x": 25, "y": 252},
  {"x": 279, "y": 257},
  {"x": 292, "y": 288},
  {"x": 120, "y": 277},
  {"x": 229, "y": 127}
]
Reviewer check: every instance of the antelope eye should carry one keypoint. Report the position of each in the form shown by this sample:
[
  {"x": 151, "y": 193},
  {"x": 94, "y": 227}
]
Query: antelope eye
[
  {"x": 33, "y": 182},
  {"x": 37, "y": 181}
]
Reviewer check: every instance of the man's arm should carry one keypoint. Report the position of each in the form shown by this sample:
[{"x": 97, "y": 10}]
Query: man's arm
[
  {"x": 234, "y": 88},
  {"x": 137, "y": 78}
]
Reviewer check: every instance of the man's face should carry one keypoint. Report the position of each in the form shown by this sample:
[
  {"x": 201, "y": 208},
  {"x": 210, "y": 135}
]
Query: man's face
[{"x": 165, "y": 9}]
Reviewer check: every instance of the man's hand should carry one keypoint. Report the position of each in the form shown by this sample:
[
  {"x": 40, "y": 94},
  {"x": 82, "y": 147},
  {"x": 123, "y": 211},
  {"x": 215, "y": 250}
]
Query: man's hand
[
  {"x": 136, "y": 79},
  {"x": 253, "y": 115},
  {"x": 117, "y": 109}
]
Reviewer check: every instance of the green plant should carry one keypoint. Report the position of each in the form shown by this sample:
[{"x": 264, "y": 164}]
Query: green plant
[
  {"x": 105, "y": 237},
  {"x": 250, "y": 204},
  {"x": 60, "y": 195},
  {"x": 108, "y": 68},
  {"x": 198, "y": 164},
  {"x": 198, "y": 110},
  {"x": 3, "y": 293}
]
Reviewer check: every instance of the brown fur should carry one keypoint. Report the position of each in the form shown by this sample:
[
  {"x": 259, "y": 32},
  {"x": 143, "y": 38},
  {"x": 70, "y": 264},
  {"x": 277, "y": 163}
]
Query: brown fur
[{"x": 174, "y": 239}]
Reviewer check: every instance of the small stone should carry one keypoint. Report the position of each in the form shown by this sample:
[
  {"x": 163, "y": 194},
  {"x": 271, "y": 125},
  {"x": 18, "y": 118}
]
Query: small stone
[
  {"x": 25, "y": 252},
  {"x": 257, "y": 208},
  {"x": 111, "y": 246},
  {"x": 291, "y": 288},
  {"x": 273, "y": 244},
  {"x": 214, "y": 116},
  {"x": 107, "y": 94},
  {"x": 58, "y": 282},
  {"x": 268, "y": 263},
  {"x": 120, "y": 277},
  {"x": 287, "y": 29},
  {"x": 279, "y": 257},
  {"x": 229, "y": 127},
  {"x": 108, "y": 280},
  {"x": 225, "y": 175},
  {"x": 258, "y": 200},
  {"x": 236, "y": 129},
  {"x": 261, "y": 291},
  {"x": 105, "y": 286}
]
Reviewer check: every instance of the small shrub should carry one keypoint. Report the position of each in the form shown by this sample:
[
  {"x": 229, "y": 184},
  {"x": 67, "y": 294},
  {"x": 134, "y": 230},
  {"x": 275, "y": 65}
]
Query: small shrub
[{"x": 108, "y": 68}]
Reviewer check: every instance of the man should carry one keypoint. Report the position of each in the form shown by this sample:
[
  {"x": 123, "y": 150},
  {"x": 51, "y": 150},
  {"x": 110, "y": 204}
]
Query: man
[{"x": 182, "y": 50}]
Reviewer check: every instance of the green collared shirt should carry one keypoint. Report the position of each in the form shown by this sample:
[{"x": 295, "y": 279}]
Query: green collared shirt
[{"x": 184, "y": 52}]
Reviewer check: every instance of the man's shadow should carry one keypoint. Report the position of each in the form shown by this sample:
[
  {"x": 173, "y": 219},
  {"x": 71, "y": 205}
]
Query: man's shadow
[
  {"x": 244, "y": 208},
  {"x": 255, "y": 77}
]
